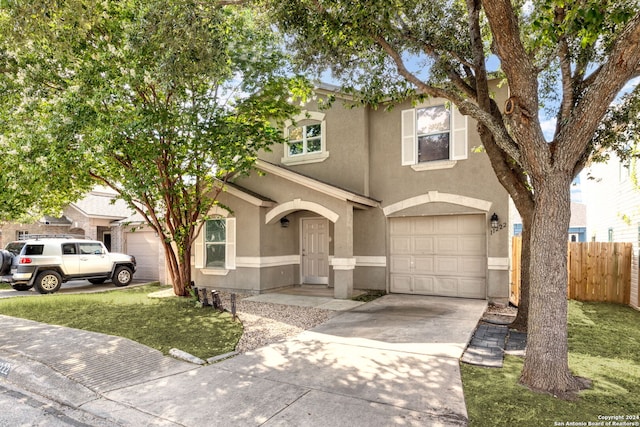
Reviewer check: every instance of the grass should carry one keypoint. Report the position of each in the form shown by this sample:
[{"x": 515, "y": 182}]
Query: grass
[
  {"x": 160, "y": 323},
  {"x": 604, "y": 346}
]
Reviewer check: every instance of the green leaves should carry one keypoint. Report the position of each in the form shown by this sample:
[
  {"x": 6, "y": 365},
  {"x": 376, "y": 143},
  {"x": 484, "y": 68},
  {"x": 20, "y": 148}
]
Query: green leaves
[
  {"x": 159, "y": 99},
  {"x": 584, "y": 24}
]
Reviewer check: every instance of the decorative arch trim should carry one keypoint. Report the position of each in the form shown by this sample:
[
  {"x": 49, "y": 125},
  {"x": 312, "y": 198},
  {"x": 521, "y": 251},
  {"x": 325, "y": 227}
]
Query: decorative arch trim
[
  {"x": 304, "y": 115},
  {"x": 434, "y": 197},
  {"x": 297, "y": 205}
]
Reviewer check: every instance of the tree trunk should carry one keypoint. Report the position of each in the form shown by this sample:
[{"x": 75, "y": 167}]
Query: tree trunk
[
  {"x": 522, "y": 318},
  {"x": 515, "y": 181},
  {"x": 179, "y": 269},
  {"x": 546, "y": 366}
]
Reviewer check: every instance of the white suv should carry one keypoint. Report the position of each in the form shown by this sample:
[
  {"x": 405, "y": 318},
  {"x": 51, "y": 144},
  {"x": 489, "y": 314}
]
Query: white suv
[{"x": 48, "y": 262}]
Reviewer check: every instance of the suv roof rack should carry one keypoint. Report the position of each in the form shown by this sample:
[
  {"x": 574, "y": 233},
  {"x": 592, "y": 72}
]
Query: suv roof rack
[{"x": 54, "y": 236}]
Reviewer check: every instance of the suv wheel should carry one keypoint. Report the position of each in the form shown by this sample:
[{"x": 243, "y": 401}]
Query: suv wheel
[
  {"x": 6, "y": 258},
  {"x": 48, "y": 282},
  {"x": 122, "y": 276}
]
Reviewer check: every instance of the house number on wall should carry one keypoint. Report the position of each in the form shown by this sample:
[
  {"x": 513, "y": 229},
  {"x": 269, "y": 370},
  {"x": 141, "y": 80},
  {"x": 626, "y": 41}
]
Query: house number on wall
[{"x": 500, "y": 227}]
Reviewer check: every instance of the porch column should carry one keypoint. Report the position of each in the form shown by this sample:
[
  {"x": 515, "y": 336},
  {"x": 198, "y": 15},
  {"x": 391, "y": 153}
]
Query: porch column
[{"x": 343, "y": 261}]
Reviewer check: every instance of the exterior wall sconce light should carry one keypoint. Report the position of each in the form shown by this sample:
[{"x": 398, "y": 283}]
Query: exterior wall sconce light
[
  {"x": 494, "y": 222},
  {"x": 284, "y": 222}
]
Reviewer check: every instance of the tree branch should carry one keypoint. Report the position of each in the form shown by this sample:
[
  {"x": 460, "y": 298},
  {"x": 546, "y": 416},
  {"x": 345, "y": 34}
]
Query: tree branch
[
  {"x": 622, "y": 65},
  {"x": 565, "y": 69}
]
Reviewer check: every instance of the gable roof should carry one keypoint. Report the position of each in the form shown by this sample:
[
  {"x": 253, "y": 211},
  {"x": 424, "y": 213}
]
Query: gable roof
[
  {"x": 316, "y": 185},
  {"x": 99, "y": 204}
]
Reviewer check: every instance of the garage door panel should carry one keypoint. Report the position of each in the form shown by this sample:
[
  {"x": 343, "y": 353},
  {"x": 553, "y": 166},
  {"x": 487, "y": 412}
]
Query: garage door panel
[
  {"x": 423, "y": 265},
  {"x": 472, "y": 224},
  {"x": 441, "y": 255},
  {"x": 423, "y": 284},
  {"x": 472, "y": 245},
  {"x": 401, "y": 227},
  {"x": 446, "y": 286},
  {"x": 446, "y": 225},
  {"x": 471, "y": 288},
  {"x": 401, "y": 283},
  {"x": 401, "y": 264},
  {"x": 144, "y": 246},
  {"x": 401, "y": 245},
  {"x": 423, "y": 225},
  {"x": 447, "y": 265},
  {"x": 423, "y": 245},
  {"x": 473, "y": 266},
  {"x": 447, "y": 245}
]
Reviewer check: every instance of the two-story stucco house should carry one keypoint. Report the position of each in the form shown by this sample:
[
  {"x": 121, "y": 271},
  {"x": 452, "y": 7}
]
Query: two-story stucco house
[{"x": 365, "y": 198}]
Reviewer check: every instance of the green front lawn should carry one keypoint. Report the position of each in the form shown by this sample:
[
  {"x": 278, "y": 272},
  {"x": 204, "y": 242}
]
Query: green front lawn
[
  {"x": 160, "y": 323},
  {"x": 604, "y": 346}
]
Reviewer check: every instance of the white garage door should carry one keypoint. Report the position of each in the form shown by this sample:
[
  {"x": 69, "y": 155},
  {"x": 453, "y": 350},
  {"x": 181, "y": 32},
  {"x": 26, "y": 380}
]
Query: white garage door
[
  {"x": 439, "y": 255},
  {"x": 145, "y": 247}
]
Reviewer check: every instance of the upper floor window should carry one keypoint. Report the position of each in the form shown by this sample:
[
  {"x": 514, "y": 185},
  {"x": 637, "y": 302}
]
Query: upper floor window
[
  {"x": 433, "y": 126},
  {"x": 306, "y": 139},
  {"x": 433, "y": 137}
]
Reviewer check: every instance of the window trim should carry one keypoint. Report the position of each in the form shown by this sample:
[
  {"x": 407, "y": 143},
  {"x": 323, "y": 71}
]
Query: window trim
[
  {"x": 199, "y": 252},
  {"x": 458, "y": 139},
  {"x": 208, "y": 243},
  {"x": 305, "y": 158}
]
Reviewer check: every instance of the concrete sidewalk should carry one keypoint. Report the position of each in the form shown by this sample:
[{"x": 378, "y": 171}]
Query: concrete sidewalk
[{"x": 393, "y": 361}]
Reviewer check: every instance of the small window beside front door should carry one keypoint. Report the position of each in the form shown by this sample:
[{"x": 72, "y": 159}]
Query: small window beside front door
[{"x": 214, "y": 241}]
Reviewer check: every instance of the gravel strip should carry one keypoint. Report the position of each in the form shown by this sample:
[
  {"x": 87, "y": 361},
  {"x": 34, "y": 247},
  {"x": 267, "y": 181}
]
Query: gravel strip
[{"x": 266, "y": 323}]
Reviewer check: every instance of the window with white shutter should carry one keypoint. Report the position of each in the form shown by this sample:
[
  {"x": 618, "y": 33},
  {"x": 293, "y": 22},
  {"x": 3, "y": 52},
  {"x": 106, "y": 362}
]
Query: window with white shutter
[
  {"x": 433, "y": 137},
  {"x": 215, "y": 246}
]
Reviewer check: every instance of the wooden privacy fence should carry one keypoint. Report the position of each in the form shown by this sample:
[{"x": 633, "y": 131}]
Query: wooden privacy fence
[{"x": 598, "y": 271}]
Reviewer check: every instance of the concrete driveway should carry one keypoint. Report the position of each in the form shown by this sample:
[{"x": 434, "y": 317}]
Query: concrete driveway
[{"x": 394, "y": 361}]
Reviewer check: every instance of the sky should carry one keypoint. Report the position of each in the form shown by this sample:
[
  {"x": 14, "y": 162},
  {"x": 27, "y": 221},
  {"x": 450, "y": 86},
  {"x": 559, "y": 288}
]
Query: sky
[{"x": 548, "y": 123}]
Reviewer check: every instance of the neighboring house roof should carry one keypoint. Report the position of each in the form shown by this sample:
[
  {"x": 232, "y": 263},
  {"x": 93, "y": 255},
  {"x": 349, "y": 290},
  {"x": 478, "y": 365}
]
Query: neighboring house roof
[
  {"x": 102, "y": 205},
  {"x": 52, "y": 220},
  {"x": 314, "y": 184},
  {"x": 134, "y": 219}
]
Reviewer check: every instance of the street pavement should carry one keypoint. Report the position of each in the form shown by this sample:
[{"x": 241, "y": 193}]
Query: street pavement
[{"x": 393, "y": 361}]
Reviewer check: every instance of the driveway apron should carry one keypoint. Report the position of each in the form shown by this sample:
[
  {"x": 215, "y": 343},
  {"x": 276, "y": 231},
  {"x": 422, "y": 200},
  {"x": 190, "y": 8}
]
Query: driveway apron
[{"x": 393, "y": 361}]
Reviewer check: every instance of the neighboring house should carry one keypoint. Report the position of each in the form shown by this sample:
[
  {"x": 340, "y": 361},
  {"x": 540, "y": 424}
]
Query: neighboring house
[
  {"x": 613, "y": 211},
  {"x": 93, "y": 217},
  {"x": 365, "y": 198},
  {"x": 142, "y": 242},
  {"x": 97, "y": 216}
]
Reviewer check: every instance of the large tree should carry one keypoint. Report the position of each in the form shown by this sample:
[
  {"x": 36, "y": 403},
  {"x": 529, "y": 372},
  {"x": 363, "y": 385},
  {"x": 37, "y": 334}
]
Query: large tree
[
  {"x": 572, "y": 57},
  {"x": 161, "y": 100}
]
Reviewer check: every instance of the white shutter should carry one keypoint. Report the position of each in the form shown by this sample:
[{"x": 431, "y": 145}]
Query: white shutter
[
  {"x": 409, "y": 150},
  {"x": 458, "y": 147},
  {"x": 230, "y": 250},
  {"x": 198, "y": 248}
]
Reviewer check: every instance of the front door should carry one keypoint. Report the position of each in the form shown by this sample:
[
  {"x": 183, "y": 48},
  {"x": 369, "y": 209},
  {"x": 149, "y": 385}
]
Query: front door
[{"x": 315, "y": 251}]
